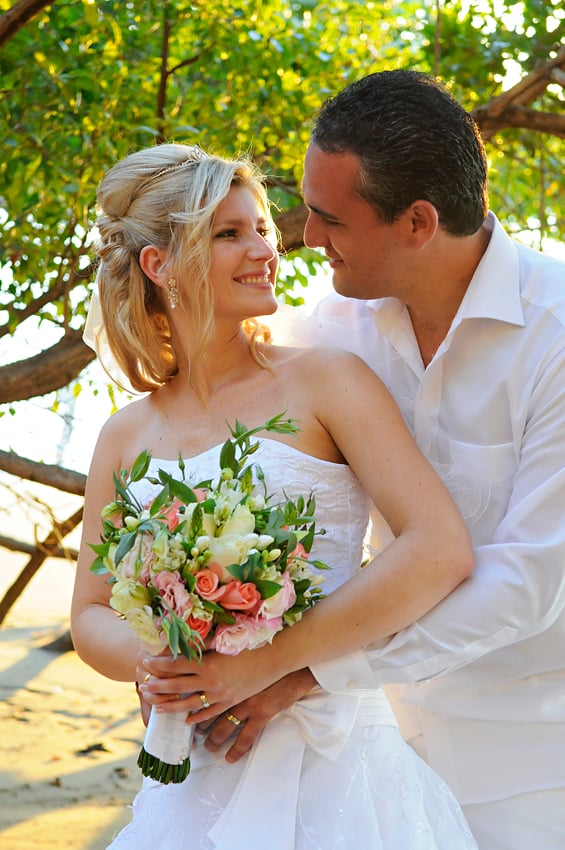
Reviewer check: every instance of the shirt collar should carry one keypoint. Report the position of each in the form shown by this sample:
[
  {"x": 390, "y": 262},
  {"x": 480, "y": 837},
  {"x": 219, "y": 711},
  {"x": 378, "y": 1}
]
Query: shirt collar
[{"x": 493, "y": 293}]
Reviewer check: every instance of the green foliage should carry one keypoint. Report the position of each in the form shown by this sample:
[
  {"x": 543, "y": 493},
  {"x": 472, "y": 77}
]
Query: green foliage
[{"x": 85, "y": 83}]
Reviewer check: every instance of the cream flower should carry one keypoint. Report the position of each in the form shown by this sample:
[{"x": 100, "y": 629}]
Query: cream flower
[
  {"x": 241, "y": 522},
  {"x": 140, "y": 620},
  {"x": 128, "y": 594}
]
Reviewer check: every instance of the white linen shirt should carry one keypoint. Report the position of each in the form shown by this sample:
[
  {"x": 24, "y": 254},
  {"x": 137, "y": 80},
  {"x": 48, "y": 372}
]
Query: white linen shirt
[{"x": 485, "y": 668}]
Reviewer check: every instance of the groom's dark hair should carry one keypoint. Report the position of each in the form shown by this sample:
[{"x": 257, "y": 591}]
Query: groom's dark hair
[{"x": 414, "y": 142}]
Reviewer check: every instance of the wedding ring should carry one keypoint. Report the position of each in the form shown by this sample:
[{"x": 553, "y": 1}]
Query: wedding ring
[
  {"x": 147, "y": 677},
  {"x": 233, "y": 719},
  {"x": 203, "y": 700}
]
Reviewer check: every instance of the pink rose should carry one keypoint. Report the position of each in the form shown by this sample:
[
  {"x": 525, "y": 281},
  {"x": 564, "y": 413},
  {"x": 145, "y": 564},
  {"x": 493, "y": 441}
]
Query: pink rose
[
  {"x": 199, "y": 625},
  {"x": 235, "y": 595},
  {"x": 276, "y": 605},
  {"x": 171, "y": 514},
  {"x": 200, "y": 493},
  {"x": 299, "y": 552},
  {"x": 240, "y": 596},
  {"x": 245, "y": 633},
  {"x": 206, "y": 584},
  {"x": 171, "y": 587}
]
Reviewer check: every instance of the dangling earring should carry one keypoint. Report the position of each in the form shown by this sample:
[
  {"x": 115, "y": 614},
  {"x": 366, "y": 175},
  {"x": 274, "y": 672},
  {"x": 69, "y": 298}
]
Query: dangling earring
[{"x": 172, "y": 293}]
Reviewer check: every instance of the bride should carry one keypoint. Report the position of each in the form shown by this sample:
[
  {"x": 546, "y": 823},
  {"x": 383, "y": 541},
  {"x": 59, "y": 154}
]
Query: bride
[{"x": 187, "y": 256}]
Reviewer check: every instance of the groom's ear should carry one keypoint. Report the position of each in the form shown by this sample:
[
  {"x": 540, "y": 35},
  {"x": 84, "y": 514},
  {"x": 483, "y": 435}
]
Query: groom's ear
[
  {"x": 422, "y": 220},
  {"x": 152, "y": 261}
]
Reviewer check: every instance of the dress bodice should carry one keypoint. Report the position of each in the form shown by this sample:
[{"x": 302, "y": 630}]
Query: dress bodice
[{"x": 341, "y": 503}]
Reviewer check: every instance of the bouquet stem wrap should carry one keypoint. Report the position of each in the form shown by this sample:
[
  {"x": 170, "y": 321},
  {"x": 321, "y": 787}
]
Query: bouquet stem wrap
[{"x": 165, "y": 755}]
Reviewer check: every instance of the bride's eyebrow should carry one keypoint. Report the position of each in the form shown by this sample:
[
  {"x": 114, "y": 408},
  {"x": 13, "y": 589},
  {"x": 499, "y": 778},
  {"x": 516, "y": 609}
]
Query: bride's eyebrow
[{"x": 239, "y": 222}]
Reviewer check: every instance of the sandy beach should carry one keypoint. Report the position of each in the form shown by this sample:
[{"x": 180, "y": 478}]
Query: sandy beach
[{"x": 69, "y": 738}]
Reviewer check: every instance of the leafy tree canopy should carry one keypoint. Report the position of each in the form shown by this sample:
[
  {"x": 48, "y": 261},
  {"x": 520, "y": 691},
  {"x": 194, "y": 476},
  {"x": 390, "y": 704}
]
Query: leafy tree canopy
[{"x": 84, "y": 83}]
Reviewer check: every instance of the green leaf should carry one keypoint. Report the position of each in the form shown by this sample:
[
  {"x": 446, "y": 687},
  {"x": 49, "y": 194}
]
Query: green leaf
[
  {"x": 227, "y": 457},
  {"x": 140, "y": 466},
  {"x": 98, "y": 567},
  {"x": 100, "y": 548},
  {"x": 309, "y": 539},
  {"x": 160, "y": 500},
  {"x": 182, "y": 492},
  {"x": 267, "y": 588},
  {"x": 126, "y": 543},
  {"x": 238, "y": 571}
]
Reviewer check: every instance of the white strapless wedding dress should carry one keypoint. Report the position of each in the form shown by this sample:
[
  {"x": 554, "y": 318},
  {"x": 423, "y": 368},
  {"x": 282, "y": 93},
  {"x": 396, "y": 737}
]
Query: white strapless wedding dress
[{"x": 330, "y": 773}]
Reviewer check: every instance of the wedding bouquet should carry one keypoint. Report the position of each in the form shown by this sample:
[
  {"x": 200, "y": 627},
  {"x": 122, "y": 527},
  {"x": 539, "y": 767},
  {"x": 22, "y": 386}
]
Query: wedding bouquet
[{"x": 209, "y": 565}]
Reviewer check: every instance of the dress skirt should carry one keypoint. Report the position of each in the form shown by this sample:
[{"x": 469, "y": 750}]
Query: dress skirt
[{"x": 330, "y": 773}]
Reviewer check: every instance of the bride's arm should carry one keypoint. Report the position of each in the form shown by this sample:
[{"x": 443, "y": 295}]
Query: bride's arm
[
  {"x": 97, "y": 630},
  {"x": 429, "y": 557}
]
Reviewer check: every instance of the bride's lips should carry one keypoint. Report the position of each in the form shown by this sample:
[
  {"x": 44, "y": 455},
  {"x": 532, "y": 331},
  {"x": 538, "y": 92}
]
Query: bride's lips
[{"x": 254, "y": 279}]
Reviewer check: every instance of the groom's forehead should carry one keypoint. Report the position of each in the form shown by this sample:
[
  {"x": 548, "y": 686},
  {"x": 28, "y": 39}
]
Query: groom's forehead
[{"x": 329, "y": 174}]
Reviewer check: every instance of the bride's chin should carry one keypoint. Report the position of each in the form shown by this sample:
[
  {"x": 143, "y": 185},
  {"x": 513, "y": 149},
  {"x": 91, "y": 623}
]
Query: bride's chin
[{"x": 266, "y": 309}]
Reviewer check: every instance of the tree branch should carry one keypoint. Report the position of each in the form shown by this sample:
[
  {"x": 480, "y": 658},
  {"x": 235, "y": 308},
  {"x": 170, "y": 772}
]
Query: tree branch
[
  {"x": 18, "y": 15},
  {"x": 527, "y": 119},
  {"x": 52, "y": 475},
  {"x": 28, "y": 548},
  {"x": 42, "y": 551},
  {"x": 529, "y": 88},
  {"x": 291, "y": 225},
  {"x": 59, "y": 289},
  {"x": 49, "y": 370},
  {"x": 508, "y": 109}
]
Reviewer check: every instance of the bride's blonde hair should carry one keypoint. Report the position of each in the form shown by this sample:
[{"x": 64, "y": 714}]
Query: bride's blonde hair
[{"x": 164, "y": 196}]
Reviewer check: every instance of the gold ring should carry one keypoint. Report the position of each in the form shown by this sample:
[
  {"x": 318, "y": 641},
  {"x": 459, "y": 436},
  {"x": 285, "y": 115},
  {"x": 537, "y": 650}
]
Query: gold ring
[
  {"x": 203, "y": 700},
  {"x": 233, "y": 719},
  {"x": 147, "y": 677}
]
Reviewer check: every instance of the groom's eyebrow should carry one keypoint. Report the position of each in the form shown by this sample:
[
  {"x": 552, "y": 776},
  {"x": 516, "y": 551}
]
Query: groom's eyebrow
[{"x": 320, "y": 212}]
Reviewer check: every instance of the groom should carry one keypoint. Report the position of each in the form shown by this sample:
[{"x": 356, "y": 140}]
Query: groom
[{"x": 466, "y": 328}]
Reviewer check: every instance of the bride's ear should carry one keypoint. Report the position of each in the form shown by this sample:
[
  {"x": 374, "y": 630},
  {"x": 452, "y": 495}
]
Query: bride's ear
[{"x": 152, "y": 261}]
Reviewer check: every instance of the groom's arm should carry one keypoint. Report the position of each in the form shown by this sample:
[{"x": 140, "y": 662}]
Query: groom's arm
[{"x": 255, "y": 712}]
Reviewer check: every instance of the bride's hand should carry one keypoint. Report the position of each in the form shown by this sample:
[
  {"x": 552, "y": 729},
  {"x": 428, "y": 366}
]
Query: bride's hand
[
  {"x": 246, "y": 721},
  {"x": 208, "y": 688}
]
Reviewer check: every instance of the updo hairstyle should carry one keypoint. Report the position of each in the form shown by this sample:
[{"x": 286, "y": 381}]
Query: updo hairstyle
[{"x": 164, "y": 196}]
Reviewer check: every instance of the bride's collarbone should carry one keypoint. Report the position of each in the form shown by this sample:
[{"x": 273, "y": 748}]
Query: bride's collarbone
[{"x": 177, "y": 420}]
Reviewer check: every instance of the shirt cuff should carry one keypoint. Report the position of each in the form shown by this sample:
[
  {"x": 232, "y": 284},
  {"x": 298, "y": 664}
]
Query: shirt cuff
[{"x": 346, "y": 672}]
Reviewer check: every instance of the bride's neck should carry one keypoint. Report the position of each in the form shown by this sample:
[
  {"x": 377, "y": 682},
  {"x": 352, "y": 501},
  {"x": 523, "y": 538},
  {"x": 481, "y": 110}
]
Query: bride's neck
[{"x": 227, "y": 359}]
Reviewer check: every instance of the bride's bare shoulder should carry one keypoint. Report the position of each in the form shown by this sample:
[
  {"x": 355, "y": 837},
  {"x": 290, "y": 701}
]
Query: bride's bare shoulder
[
  {"x": 316, "y": 357},
  {"x": 122, "y": 427}
]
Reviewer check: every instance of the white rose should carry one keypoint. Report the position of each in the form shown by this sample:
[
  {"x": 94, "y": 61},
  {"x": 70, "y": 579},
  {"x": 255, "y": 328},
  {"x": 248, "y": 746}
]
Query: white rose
[
  {"x": 208, "y": 521},
  {"x": 241, "y": 522},
  {"x": 140, "y": 620},
  {"x": 128, "y": 594},
  {"x": 227, "y": 550}
]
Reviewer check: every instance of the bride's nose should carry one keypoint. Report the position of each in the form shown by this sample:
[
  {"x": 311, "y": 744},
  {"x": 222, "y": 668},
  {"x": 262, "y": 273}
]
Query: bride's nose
[{"x": 261, "y": 248}]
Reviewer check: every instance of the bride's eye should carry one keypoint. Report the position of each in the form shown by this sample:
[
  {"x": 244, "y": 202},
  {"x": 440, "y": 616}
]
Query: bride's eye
[{"x": 230, "y": 233}]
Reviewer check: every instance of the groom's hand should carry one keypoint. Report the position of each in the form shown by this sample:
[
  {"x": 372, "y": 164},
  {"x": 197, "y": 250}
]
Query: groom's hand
[
  {"x": 145, "y": 708},
  {"x": 247, "y": 720}
]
